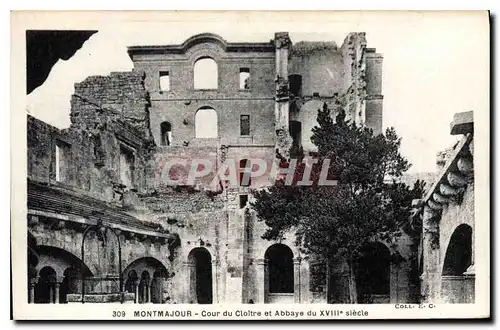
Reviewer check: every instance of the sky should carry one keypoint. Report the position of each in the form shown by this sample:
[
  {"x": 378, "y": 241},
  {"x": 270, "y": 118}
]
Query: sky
[{"x": 435, "y": 64}]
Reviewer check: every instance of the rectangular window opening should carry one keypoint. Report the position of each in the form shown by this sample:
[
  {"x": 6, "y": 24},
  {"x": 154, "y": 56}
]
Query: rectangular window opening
[
  {"x": 127, "y": 160},
  {"x": 245, "y": 179},
  {"x": 245, "y": 125},
  {"x": 164, "y": 81},
  {"x": 62, "y": 160},
  {"x": 243, "y": 201},
  {"x": 244, "y": 78}
]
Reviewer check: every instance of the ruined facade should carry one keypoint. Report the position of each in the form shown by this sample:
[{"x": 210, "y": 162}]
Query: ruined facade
[
  {"x": 195, "y": 243},
  {"x": 446, "y": 216}
]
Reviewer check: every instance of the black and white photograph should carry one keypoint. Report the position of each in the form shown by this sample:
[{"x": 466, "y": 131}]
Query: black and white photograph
[{"x": 251, "y": 165}]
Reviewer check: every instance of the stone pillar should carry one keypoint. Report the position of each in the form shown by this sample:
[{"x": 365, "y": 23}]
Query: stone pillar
[
  {"x": 56, "y": 293},
  {"x": 190, "y": 282},
  {"x": 148, "y": 291},
  {"x": 215, "y": 286},
  {"x": 31, "y": 294},
  {"x": 51, "y": 294},
  {"x": 59, "y": 280},
  {"x": 431, "y": 276},
  {"x": 282, "y": 100},
  {"x": 297, "y": 280},
  {"x": 374, "y": 98},
  {"x": 262, "y": 282},
  {"x": 136, "y": 291}
]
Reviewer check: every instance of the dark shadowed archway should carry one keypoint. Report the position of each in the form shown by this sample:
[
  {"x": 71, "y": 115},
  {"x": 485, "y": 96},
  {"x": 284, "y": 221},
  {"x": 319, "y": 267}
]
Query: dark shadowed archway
[
  {"x": 200, "y": 262},
  {"x": 45, "y": 288},
  {"x": 457, "y": 284},
  {"x": 459, "y": 252},
  {"x": 280, "y": 276},
  {"x": 373, "y": 274}
]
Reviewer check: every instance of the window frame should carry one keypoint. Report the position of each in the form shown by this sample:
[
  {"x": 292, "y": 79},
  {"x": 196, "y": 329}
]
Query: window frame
[
  {"x": 245, "y": 70},
  {"x": 216, "y": 79},
  {"x": 249, "y": 125},
  {"x": 164, "y": 73}
]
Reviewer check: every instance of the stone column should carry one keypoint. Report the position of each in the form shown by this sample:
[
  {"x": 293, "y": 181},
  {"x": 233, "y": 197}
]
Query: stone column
[
  {"x": 51, "y": 294},
  {"x": 297, "y": 280},
  {"x": 59, "y": 280},
  {"x": 148, "y": 291},
  {"x": 431, "y": 276},
  {"x": 31, "y": 294},
  {"x": 215, "y": 287},
  {"x": 190, "y": 282},
  {"x": 282, "y": 99},
  {"x": 136, "y": 291},
  {"x": 262, "y": 283}
]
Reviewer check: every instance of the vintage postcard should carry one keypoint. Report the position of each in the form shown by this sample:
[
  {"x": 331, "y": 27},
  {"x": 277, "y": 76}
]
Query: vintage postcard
[{"x": 250, "y": 165}]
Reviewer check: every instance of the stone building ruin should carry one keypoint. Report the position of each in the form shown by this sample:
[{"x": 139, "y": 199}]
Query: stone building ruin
[{"x": 203, "y": 99}]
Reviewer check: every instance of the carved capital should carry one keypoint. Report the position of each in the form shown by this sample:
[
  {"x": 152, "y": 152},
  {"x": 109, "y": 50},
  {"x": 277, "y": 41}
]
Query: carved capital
[
  {"x": 33, "y": 220},
  {"x": 282, "y": 40}
]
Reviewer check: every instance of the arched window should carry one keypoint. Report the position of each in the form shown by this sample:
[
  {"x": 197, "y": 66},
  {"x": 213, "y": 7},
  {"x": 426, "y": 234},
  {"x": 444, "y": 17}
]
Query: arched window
[
  {"x": 166, "y": 133},
  {"x": 45, "y": 288},
  {"x": 280, "y": 269},
  {"x": 131, "y": 282},
  {"x": 205, "y": 123},
  {"x": 205, "y": 73}
]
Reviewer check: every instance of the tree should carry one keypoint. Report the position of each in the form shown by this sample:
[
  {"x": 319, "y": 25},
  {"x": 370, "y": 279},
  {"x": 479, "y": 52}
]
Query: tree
[{"x": 367, "y": 204}]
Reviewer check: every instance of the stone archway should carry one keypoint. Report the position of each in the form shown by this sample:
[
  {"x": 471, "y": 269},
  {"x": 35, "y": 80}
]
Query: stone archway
[
  {"x": 45, "y": 288},
  {"x": 279, "y": 274},
  {"x": 457, "y": 285},
  {"x": 65, "y": 275},
  {"x": 200, "y": 276},
  {"x": 145, "y": 278}
]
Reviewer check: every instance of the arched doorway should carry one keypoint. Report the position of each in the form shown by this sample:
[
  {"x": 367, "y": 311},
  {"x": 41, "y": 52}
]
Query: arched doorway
[
  {"x": 280, "y": 277},
  {"x": 200, "y": 262},
  {"x": 373, "y": 274},
  {"x": 457, "y": 285},
  {"x": 45, "y": 288}
]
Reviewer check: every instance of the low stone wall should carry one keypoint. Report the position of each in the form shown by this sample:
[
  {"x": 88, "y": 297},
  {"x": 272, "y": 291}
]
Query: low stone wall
[{"x": 102, "y": 298}]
